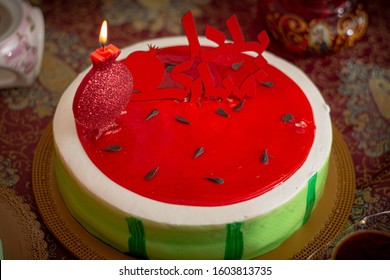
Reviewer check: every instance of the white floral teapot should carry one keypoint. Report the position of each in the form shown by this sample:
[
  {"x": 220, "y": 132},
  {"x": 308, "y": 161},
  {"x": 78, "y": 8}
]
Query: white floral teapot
[{"x": 21, "y": 43}]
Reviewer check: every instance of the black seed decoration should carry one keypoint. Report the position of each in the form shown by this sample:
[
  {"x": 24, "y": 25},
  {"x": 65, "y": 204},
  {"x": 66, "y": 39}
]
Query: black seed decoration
[
  {"x": 239, "y": 106},
  {"x": 287, "y": 117},
  {"x": 182, "y": 120},
  {"x": 153, "y": 114},
  {"x": 237, "y": 65},
  {"x": 151, "y": 174},
  {"x": 216, "y": 180},
  {"x": 267, "y": 84},
  {"x": 222, "y": 112},
  {"x": 113, "y": 148},
  {"x": 264, "y": 157},
  {"x": 198, "y": 152}
]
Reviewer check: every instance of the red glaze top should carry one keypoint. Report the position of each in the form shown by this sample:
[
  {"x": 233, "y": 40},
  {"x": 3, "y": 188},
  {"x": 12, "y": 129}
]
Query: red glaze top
[{"x": 246, "y": 153}]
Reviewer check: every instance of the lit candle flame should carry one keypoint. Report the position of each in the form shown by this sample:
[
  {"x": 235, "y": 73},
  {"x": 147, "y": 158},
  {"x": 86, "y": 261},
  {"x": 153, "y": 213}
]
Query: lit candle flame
[{"x": 103, "y": 34}]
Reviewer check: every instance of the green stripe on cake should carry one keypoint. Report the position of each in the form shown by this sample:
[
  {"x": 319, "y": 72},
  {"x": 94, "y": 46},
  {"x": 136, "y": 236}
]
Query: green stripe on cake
[
  {"x": 234, "y": 247},
  {"x": 310, "y": 198},
  {"x": 136, "y": 241}
]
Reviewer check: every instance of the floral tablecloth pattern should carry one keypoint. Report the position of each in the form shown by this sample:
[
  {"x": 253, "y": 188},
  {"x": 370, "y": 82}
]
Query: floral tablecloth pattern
[{"x": 355, "y": 83}]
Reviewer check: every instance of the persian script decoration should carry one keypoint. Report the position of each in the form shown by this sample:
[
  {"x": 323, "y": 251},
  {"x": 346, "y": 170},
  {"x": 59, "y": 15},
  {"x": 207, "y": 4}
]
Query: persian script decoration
[{"x": 239, "y": 81}]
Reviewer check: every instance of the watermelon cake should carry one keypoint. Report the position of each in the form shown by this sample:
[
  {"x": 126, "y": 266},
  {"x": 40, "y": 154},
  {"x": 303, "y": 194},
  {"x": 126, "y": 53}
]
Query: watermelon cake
[{"x": 219, "y": 151}]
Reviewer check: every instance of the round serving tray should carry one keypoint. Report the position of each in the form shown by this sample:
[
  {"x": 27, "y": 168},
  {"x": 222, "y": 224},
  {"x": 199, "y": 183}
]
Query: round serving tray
[{"x": 324, "y": 224}]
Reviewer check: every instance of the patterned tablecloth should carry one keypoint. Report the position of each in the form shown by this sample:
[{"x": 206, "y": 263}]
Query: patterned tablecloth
[{"x": 355, "y": 83}]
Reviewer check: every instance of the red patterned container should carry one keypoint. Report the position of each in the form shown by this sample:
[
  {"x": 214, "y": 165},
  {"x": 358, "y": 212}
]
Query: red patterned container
[{"x": 315, "y": 26}]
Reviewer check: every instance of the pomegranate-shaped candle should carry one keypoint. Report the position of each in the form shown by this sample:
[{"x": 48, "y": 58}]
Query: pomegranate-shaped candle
[{"x": 103, "y": 94}]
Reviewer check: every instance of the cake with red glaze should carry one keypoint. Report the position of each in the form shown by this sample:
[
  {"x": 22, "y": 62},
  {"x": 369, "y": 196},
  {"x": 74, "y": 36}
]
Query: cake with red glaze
[{"x": 220, "y": 151}]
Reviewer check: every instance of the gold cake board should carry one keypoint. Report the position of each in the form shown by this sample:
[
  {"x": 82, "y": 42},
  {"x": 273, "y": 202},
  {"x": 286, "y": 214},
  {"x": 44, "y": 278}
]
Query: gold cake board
[{"x": 324, "y": 224}]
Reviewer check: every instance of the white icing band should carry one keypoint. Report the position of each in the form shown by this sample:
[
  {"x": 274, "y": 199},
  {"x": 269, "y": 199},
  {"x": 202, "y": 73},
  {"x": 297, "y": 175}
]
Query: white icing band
[{"x": 132, "y": 204}]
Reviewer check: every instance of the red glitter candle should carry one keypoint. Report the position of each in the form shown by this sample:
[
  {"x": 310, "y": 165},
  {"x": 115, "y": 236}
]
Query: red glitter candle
[{"x": 104, "y": 92}]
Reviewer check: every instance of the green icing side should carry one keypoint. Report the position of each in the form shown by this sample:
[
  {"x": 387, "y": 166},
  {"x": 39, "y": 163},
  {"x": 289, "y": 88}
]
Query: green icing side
[
  {"x": 97, "y": 218},
  {"x": 234, "y": 241},
  {"x": 269, "y": 231},
  {"x": 185, "y": 242},
  {"x": 1, "y": 250},
  {"x": 149, "y": 239}
]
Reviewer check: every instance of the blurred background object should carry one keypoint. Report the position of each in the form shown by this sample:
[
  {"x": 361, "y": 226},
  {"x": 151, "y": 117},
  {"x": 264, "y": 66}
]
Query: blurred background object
[
  {"x": 22, "y": 33},
  {"x": 315, "y": 26}
]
